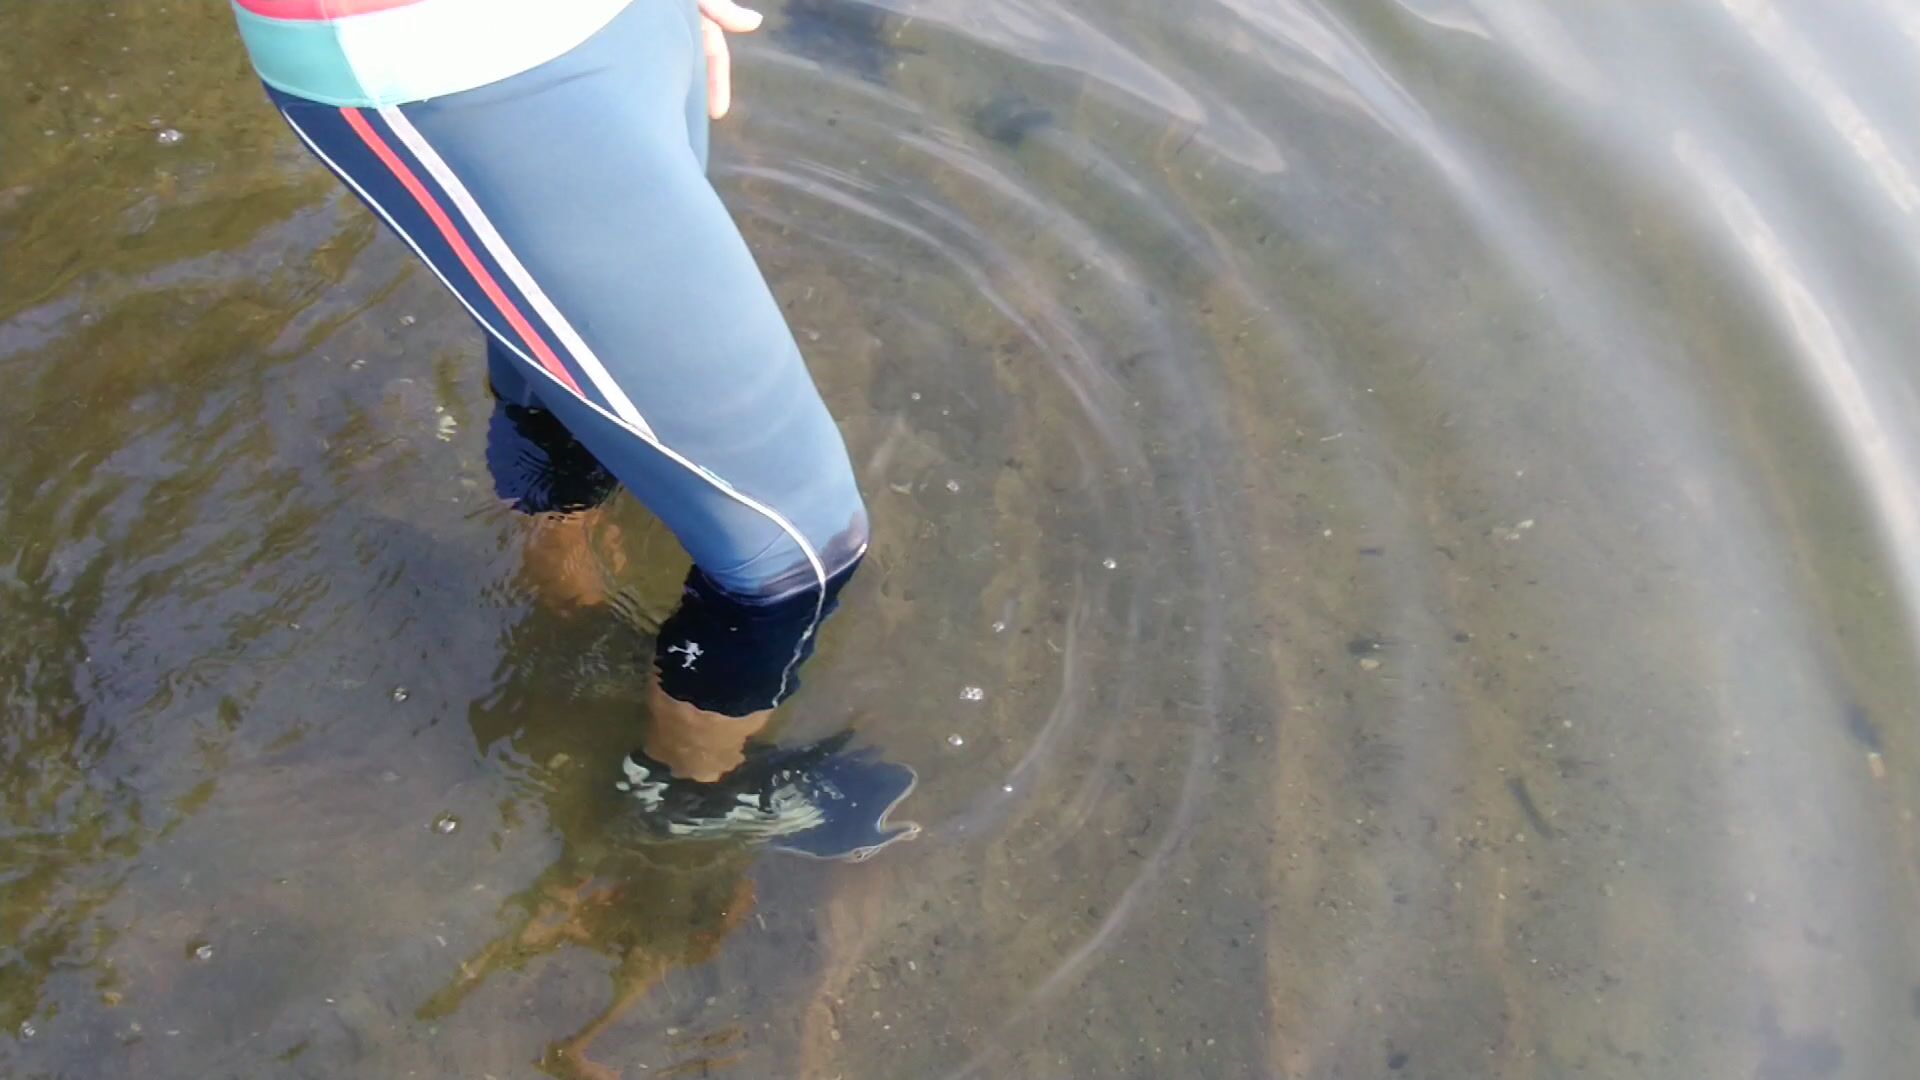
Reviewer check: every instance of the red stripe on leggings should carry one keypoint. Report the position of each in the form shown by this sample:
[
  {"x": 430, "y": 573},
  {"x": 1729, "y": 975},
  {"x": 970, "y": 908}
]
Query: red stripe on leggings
[{"x": 454, "y": 240}]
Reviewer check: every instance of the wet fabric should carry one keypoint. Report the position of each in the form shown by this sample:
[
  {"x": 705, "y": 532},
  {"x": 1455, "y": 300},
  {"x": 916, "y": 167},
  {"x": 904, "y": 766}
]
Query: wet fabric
[
  {"x": 538, "y": 467},
  {"x": 733, "y": 657}
]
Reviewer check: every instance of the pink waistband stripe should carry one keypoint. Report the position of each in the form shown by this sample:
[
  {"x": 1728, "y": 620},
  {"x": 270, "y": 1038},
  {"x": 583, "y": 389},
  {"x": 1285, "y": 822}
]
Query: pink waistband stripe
[{"x": 319, "y": 10}]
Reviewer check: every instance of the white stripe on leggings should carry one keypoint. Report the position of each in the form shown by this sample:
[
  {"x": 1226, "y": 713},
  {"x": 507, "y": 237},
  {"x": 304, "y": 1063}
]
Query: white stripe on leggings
[
  {"x": 639, "y": 430},
  {"x": 491, "y": 239}
]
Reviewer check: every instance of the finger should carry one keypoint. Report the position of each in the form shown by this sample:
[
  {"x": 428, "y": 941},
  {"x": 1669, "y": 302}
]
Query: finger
[
  {"x": 732, "y": 18},
  {"x": 719, "y": 70}
]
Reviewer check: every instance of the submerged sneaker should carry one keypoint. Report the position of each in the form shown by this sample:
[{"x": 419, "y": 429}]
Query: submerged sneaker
[{"x": 811, "y": 800}]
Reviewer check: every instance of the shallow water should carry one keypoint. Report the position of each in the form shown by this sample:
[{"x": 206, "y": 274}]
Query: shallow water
[{"x": 1433, "y": 514}]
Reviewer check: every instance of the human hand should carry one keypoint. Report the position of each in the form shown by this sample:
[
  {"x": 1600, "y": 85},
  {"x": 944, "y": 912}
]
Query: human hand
[{"x": 718, "y": 18}]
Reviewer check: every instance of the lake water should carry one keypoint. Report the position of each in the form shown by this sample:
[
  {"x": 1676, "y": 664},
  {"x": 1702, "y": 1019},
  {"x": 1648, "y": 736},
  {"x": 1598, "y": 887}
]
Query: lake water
[{"x": 1429, "y": 492}]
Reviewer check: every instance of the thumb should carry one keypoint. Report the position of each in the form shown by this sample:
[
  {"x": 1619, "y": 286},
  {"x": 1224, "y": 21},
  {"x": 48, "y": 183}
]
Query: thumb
[{"x": 730, "y": 16}]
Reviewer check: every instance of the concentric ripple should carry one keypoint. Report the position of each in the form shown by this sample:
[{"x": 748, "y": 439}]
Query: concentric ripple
[{"x": 1396, "y": 554}]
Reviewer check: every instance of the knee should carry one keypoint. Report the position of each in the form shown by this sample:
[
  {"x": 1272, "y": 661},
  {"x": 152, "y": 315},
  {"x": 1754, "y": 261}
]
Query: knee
[
  {"x": 789, "y": 565},
  {"x": 844, "y": 550}
]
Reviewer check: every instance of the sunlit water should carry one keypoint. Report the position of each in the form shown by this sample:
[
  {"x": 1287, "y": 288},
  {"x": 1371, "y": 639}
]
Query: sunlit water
[{"x": 1429, "y": 494}]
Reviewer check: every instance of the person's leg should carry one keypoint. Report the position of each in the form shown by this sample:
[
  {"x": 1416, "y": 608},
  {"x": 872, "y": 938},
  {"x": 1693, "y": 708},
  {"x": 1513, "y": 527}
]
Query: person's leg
[
  {"x": 538, "y": 467},
  {"x": 719, "y": 662},
  {"x": 676, "y": 367},
  {"x": 567, "y": 208}
]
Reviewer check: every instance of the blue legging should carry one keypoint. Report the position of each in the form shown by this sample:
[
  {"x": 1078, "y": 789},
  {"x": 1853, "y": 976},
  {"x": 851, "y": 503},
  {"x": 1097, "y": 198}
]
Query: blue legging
[{"x": 568, "y": 208}]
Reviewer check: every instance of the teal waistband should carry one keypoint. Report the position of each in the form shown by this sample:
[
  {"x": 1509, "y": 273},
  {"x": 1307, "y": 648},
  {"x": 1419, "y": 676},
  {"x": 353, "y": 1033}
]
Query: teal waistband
[{"x": 417, "y": 51}]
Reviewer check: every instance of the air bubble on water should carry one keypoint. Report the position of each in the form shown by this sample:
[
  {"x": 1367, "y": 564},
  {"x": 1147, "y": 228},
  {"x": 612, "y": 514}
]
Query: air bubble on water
[
  {"x": 953, "y": 485},
  {"x": 169, "y": 136},
  {"x": 956, "y": 740},
  {"x": 972, "y": 693},
  {"x": 1110, "y": 563},
  {"x": 999, "y": 627},
  {"x": 445, "y": 823},
  {"x": 399, "y": 693}
]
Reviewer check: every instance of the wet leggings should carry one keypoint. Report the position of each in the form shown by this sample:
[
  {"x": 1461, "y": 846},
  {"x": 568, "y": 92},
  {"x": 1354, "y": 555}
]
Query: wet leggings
[{"x": 568, "y": 209}]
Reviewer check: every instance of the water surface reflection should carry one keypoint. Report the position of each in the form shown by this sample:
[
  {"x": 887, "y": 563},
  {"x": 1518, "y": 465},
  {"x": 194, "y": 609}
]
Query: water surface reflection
[{"x": 1425, "y": 491}]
